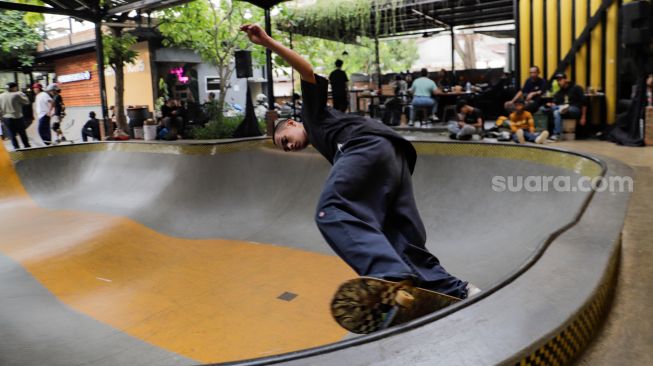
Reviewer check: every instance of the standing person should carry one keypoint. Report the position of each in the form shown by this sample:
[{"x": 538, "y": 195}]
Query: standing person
[
  {"x": 532, "y": 91},
  {"x": 91, "y": 128},
  {"x": 399, "y": 86},
  {"x": 58, "y": 113},
  {"x": 28, "y": 109},
  {"x": 171, "y": 120},
  {"x": 409, "y": 79},
  {"x": 44, "y": 107},
  {"x": 423, "y": 90},
  {"x": 568, "y": 102},
  {"x": 339, "y": 80},
  {"x": 11, "y": 107},
  {"x": 367, "y": 211}
]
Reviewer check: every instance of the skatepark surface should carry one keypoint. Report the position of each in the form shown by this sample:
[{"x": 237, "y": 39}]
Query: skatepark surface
[{"x": 157, "y": 254}]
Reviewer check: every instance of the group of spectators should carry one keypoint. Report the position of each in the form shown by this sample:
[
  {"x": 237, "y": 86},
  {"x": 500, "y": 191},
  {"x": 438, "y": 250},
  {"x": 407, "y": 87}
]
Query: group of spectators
[
  {"x": 18, "y": 110},
  {"x": 568, "y": 102}
]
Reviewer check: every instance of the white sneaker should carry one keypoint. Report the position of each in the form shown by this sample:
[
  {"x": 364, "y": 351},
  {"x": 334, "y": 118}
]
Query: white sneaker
[
  {"x": 410, "y": 123},
  {"x": 554, "y": 138},
  {"x": 472, "y": 290},
  {"x": 541, "y": 138},
  {"x": 435, "y": 118},
  {"x": 520, "y": 136}
]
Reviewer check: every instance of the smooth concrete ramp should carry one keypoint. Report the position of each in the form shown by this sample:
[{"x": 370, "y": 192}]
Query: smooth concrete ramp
[{"x": 179, "y": 254}]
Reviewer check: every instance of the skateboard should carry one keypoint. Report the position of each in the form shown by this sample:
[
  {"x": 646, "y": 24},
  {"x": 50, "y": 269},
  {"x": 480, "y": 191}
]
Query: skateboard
[{"x": 364, "y": 305}]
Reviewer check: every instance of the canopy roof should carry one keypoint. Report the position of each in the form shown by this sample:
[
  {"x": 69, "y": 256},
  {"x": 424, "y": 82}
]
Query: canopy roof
[
  {"x": 91, "y": 10},
  {"x": 413, "y": 16},
  {"x": 265, "y": 4}
]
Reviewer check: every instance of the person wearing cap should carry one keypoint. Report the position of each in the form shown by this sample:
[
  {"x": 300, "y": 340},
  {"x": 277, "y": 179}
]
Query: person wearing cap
[
  {"x": 58, "y": 112},
  {"x": 11, "y": 107},
  {"x": 470, "y": 122},
  {"x": 532, "y": 91},
  {"x": 44, "y": 107},
  {"x": 569, "y": 103},
  {"x": 367, "y": 211}
]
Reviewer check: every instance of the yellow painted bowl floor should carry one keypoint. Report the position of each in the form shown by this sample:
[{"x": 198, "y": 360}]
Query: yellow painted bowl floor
[{"x": 209, "y": 300}]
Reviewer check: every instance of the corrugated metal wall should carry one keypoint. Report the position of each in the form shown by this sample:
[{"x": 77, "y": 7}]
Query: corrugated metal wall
[{"x": 548, "y": 28}]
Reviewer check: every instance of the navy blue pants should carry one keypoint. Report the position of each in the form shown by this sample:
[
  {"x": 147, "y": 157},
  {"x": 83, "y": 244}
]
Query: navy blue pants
[
  {"x": 367, "y": 214},
  {"x": 44, "y": 129}
]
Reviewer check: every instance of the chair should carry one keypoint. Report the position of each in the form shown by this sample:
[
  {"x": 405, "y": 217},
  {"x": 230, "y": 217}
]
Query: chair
[{"x": 449, "y": 108}]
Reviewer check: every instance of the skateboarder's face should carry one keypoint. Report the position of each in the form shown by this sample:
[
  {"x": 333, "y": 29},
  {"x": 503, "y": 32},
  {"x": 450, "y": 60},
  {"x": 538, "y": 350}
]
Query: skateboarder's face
[{"x": 291, "y": 137}]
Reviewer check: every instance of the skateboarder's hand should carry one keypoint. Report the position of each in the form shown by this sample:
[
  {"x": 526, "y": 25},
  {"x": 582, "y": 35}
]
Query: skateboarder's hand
[{"x": 256, "y": 34}]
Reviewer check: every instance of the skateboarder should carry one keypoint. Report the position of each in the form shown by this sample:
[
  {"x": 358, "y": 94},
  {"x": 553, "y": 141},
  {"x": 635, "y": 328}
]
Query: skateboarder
[{"x": 366, "y": 212}]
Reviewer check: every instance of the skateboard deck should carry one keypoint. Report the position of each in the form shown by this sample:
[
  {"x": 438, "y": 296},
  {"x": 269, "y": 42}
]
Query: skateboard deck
[{"x": 364, "y": 305}]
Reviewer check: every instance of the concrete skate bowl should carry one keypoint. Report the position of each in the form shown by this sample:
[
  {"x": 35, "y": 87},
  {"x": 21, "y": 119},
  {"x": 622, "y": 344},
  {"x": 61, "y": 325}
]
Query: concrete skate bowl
[{"x": 156, "y": 254}]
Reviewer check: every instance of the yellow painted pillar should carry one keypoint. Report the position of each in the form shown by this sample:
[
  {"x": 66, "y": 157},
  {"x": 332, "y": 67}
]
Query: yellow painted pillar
[
  {"x": 565, "y": 30},
  {"x": 581, "y": 56},
  {"x": 595, "y": 39},
  {"x": 524, "y": 37},
  {"x": 612, "y": 23},
  {"x": 552, "y": 57},
  {"x": 538, "y": 35}
]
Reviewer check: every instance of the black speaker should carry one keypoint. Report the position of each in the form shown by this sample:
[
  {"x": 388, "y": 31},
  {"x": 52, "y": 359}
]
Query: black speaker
[
  {"x": 637, "y": 23},
  {"x": 244, "y": 64}
]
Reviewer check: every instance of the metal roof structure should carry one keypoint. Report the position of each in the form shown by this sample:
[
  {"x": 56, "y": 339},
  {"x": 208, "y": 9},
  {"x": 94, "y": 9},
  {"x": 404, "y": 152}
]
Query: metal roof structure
[
  {"x": 414, "y": 16},
  {"x": 92, "y": 10},
  {"x": 96, "y": 11},
  {"x": 265, "y": 4}
]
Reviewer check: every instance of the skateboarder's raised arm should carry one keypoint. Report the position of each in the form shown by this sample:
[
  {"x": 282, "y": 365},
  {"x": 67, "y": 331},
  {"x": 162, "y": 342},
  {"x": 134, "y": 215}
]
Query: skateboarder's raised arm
[{"x": 258, "y": 36}]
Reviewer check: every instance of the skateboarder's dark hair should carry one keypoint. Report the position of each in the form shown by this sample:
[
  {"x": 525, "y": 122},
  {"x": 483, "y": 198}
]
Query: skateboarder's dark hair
[{"x": 278, "y": 126}]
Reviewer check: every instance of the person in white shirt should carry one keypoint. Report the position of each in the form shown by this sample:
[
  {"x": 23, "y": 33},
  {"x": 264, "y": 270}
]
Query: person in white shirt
[
  {"x": 11, "y": 108},
  {"x": 44, "y": 107}
]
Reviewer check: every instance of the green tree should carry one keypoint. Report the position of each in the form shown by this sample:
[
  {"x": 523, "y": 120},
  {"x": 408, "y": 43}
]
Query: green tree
[
  {"x": 18, "y": 40},
  {"x": 395, "y": 55},
  {"x": 212, "y": 29},
  {"x": 117, "y": 53},
  {"x": 329, "y": 20}
]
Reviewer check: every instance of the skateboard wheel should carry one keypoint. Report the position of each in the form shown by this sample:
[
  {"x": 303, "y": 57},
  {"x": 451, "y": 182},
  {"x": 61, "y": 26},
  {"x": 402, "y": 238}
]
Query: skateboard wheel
[{"x": 404, "y": 298}]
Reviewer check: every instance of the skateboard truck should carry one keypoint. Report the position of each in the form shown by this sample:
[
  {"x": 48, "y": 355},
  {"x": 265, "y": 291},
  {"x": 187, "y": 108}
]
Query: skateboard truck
[{"x": 403, "y": 299}]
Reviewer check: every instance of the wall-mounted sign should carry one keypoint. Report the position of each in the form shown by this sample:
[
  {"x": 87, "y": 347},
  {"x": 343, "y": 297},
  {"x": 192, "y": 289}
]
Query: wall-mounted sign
[
  {"x": 69, "y": 78},
  {"x": 137, "y": 66}
]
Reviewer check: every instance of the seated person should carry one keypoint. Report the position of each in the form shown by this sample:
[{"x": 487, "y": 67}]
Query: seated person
[
  {"x": 445, "y": 80},
  {"x": 470, "y": 122},
  {"x": 423, "y": 90},
  {"x": 568, "y": 102},
  {"x": 171, "y": 119},
  {"x": 522, "y": 125},
  {"x": 211, "y": 99},
  {"x": 91, "y": 128},
  {"x": 533, "y": 89},
  {"x": 399, "y": 86}
]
